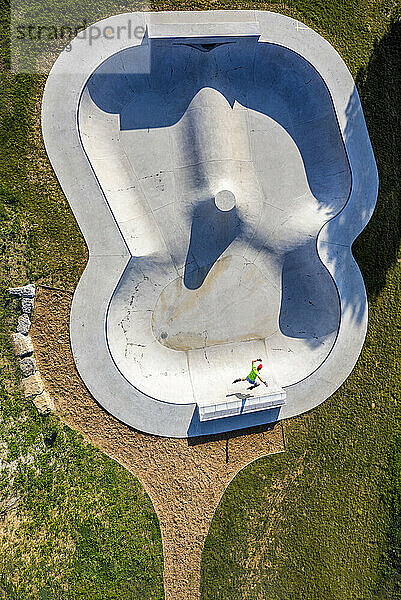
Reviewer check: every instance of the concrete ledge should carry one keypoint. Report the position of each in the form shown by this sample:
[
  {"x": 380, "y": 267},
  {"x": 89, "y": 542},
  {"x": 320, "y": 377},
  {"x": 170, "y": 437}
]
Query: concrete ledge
[{"x": 239, "y": 407}]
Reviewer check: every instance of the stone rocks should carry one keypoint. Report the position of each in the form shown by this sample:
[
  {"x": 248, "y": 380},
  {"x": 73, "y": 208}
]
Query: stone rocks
[
  {"x": 27, "y": 305},
  {"x": 43, "y": 403},
  {"x": 27, "y": 294},
  {"x": 24, "y": 324},
  {"x": 32, "y": 385},
  {"x": 23, "y": 348},
  {"x": 28, "y": 366},
  {"x": 22, "y": 344},
  {"x": 26, "y": 291}
]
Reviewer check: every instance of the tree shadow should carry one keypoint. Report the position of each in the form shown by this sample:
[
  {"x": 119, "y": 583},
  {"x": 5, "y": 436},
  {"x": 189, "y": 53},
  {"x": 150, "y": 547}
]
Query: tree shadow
[
  {"x": 379, "y": 87},
  {"x": 178, "y": 72},
  {"x": 212, "y": 231}
]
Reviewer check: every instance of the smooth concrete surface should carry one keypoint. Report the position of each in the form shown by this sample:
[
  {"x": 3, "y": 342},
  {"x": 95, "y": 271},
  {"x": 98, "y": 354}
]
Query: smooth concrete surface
[{"x": 219, "y": 169}]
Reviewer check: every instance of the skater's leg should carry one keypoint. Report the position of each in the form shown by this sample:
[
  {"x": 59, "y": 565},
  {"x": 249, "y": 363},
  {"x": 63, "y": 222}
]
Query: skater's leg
[
  {"x": 237, "y": 380},
  {"x": 255, "y": 385}
]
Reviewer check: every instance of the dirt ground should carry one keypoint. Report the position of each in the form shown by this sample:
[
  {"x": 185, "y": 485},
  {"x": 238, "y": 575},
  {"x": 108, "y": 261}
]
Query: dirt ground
[{"x": 185, "y": 479}]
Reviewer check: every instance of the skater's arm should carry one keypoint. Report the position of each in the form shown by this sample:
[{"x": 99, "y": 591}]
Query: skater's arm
[{"x": 262, "y": 380}]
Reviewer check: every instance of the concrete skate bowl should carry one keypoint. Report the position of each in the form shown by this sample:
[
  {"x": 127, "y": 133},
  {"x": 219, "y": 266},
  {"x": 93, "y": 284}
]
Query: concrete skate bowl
[
  {"x": 254, "y": 120},
  {"x": 226, "y": 173}
]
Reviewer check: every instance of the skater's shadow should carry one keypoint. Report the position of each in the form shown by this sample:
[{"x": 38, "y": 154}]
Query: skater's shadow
[{"x": 240, "y": 396}]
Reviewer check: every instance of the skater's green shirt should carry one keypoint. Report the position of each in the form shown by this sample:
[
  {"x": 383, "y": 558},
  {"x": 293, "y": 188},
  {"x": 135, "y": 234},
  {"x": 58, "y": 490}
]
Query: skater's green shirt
[{"x": 254, "y": 373}]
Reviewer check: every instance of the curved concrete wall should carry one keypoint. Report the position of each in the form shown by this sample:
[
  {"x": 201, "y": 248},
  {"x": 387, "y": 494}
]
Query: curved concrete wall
[{"x": 181, "y": 291}]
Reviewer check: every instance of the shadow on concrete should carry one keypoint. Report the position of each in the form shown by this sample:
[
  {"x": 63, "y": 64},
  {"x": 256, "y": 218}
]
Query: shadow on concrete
[
  {"x": 379, "y": 86},
  {"x": 212, "y": 231},
  {"x": 310, "y": 307},
  {"x": 241, "y": 71},
  {"x": 237, "y": 425},
  {"x": 239, "y": 395}
]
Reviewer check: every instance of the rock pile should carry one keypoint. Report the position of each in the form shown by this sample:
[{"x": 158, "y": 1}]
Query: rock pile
[{"x": 32, "y": 382}]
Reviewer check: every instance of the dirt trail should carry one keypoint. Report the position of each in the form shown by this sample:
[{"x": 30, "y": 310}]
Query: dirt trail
[{"x": 184, "y": 479}]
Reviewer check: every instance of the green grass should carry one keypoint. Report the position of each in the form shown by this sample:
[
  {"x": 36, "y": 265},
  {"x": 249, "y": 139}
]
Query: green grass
[
  {"x": 321, "y": 522},
  {"x": 83, "y": 527}
]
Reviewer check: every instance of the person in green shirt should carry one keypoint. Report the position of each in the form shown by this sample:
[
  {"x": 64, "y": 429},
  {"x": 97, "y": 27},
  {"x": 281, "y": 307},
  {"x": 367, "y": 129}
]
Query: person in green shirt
[{"x": 254, "y": 375}]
